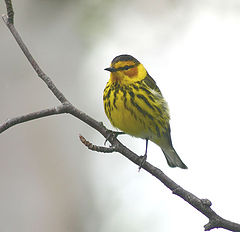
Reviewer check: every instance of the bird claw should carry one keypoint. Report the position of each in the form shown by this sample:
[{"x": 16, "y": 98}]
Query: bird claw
[
  {"x": 113, "y": 134},
  {"x": 142, "y": 160}
]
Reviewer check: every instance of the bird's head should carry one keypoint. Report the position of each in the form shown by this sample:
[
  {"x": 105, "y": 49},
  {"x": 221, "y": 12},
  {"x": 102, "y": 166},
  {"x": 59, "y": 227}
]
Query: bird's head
[{"x": 125, "y": 69}]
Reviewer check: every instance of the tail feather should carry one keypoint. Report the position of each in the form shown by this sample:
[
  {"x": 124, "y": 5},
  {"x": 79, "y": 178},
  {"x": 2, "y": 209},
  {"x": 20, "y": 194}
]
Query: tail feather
[
  {"x": 173, "y": 159},
  {"x": 165, "y": 142}
]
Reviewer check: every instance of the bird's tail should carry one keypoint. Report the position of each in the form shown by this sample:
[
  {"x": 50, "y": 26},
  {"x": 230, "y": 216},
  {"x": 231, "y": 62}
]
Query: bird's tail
[
  {"x": 172, "y": 158},
  {"x": 165, "y": 142}
]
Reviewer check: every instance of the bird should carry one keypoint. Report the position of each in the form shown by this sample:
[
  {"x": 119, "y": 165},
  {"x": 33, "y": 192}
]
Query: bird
[{"x": 135, "y": 105}]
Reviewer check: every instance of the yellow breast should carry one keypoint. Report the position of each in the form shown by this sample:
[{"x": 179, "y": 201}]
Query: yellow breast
[
  {"x": 125, "y": 117},
  {"x": 131, "y": 110}
]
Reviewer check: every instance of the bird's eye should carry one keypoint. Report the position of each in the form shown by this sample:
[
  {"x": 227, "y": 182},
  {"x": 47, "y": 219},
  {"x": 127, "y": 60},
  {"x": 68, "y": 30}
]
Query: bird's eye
[{"x": 124, "y": 68}]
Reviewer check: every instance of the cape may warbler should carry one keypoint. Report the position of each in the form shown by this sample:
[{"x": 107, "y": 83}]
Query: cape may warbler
[{"x": 134, "y": 104}]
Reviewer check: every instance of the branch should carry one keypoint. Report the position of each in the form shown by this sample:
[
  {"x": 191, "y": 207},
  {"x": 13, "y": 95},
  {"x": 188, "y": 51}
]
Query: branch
[
  {"x": 93, "y": 147},
  {"x": 202, "y": 205},
  {"x": 9, "y": 22},
  {"x": 10, "y": 12},
  {"x": 35, "y": 115}
]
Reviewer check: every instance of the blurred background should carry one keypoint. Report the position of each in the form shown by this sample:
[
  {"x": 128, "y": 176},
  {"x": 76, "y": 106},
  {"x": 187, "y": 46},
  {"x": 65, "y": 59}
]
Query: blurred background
[{"x": 50, "y": 182}]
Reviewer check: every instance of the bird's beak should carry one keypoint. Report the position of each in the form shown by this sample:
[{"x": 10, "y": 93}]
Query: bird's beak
[{"x": 110, "y": 69}]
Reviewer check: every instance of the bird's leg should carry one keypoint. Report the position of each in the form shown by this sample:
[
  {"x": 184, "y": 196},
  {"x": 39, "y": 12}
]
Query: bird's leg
[
  {"x": 113, "y": 134},
  {"x": 143, "y": 158}
]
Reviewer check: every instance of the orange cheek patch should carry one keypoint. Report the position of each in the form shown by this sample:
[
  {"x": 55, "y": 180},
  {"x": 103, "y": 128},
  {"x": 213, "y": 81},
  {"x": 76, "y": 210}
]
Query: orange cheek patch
[{"x": 132, "y": 72}]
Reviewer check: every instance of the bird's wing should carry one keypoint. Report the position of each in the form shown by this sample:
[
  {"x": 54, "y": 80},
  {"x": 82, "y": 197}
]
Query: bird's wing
[
  {"x": 162, "y": 112},
  {"x": 151, "y": 83}
]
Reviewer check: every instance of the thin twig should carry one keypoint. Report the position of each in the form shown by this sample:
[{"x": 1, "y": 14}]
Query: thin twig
[
  {"x": 34, "y": 115},
  {"x": 10, "y": 12},
  {"x": 33, "y": 62},
  {"x": 95, "y": 147}
]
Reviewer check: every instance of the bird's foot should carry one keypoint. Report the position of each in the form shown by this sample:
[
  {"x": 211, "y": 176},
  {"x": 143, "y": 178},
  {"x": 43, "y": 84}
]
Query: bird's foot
[
  {"x": 113, "y": 134},
  {"x": 142, "y": 160}
]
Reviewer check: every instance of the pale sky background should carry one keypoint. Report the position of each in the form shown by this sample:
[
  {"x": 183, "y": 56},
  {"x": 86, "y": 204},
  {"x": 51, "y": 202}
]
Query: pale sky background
[{"x": 50, "y": 182}]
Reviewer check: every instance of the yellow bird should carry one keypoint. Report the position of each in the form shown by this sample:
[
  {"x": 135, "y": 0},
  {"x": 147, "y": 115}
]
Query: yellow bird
[{"x": 134, "y": 104}]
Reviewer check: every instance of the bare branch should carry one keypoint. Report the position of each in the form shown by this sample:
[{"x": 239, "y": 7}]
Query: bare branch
[
  {"x": 31, "y": 116},
  {"x": 32, "y": 61},
  {"x": 202, "y": 205},
  {"x": 10, "y": 12}
]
